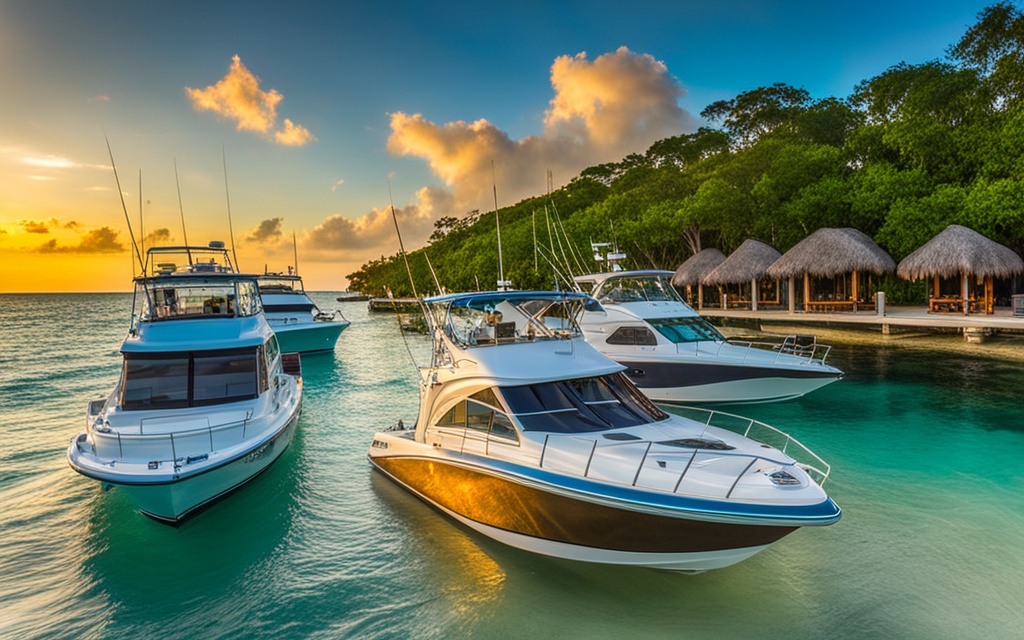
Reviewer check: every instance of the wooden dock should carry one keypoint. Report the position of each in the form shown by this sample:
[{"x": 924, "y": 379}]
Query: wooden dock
[
  {"x": 393, "y": 305},
  {"x": 895, "y": 319}
]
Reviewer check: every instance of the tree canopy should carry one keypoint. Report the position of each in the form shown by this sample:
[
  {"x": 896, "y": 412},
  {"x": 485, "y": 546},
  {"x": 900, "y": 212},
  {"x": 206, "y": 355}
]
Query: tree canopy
[{"x": 912, "y": 150}]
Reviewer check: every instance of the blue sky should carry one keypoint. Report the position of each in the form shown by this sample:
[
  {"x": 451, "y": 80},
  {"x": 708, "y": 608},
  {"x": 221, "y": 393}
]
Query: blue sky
[{"x": 424, "y": 96}]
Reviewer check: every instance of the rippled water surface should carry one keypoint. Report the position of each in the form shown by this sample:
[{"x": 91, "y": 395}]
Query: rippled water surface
[{"x": 926, "y": 444}]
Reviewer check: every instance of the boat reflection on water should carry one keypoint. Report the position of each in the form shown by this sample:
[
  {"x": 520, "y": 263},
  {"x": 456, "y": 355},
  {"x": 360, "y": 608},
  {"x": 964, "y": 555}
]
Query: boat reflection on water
[{"x": 529, "y": 435}]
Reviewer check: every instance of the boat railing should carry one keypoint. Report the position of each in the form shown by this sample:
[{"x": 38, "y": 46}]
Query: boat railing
[
  {"x": 793, "y": 349},
  {"x": 763, "y": 433},
  {"x": 170, "y": 447},
  {"x": 625, "y": 461}
]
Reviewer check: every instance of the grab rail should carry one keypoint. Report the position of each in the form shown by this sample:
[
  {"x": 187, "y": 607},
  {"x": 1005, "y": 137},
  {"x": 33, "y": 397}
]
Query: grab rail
[
  {"x": 816, "y": 468},
  {"x": 811, "y": 354},
  {"x": 193, "y": 442}
]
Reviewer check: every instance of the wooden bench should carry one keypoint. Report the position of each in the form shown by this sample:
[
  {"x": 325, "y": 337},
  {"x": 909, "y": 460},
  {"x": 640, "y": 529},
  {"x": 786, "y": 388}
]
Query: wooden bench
[
  {"x": 950, "y": 305},
  {"x": 829, "y": 306}
]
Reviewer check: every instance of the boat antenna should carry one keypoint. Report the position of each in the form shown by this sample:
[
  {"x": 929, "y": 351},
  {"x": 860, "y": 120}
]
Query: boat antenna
[
  {"x": 533, "y": 217},
  {"x": 295, "y": 252},
  {"x": 131, "y": 234},
  {"x": 181, "y": 210},
  {"x": 502, "y": 284},
  {"x": 231, "y": 230}
]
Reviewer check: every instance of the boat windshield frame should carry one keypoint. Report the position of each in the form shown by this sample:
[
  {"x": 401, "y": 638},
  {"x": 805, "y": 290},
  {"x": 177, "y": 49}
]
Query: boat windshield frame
[
  {"x": 163, "y": 261},
  {"x": 192, "y": 295},
  {"x": 500, "y": 317},
  {"x": 637, "y": 287},
  {"x": 580, "y": 405}
]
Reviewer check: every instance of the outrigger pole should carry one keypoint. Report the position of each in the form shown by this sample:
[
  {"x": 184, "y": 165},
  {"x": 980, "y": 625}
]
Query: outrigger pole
[{"x": 131, "y": 234}]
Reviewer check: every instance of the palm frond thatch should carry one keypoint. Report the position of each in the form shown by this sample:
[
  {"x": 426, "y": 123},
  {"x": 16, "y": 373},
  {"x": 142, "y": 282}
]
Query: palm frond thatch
[
  {"x": 956, "y": 250},
  {"x": 696, "y": 267},
  {"x": 747, "y": 263},
  {"x": 829, "y": 252}
]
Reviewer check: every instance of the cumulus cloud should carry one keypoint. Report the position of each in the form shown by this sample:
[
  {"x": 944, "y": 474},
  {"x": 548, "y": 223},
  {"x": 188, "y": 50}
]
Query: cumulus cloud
[
  {"x": 266, "y": 231},
  {"x": 102, "y": 240},
  {"x": 602, "y": 110},
  {"x": 293, "y": 135},
  {"x": 376, "y": 229},
  {"x": 32, "y": 226},
  {"x": 157, "y": 237},
  {"x": 237, "y": 96}
]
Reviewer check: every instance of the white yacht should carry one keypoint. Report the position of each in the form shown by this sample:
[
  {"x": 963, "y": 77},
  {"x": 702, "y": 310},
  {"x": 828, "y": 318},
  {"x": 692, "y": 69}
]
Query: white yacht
[
  {"x": 529, "y": 435},
  {"x": 300, "y": 325},
  {"x": 676, "y": 356},
  {"x": 206, "y": 399}
]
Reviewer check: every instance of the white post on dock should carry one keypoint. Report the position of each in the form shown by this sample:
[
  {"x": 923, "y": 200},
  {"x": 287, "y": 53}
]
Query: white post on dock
[{"x": 963, "y": 292}]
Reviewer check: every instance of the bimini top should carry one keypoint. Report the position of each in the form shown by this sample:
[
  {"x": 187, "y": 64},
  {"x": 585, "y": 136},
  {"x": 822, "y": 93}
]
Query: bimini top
[
  {"x": 595, "y": 279},
  {"x": 497, "y": 317}
]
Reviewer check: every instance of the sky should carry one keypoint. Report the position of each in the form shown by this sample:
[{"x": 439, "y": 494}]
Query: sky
[{"x": 308, "y": 120}]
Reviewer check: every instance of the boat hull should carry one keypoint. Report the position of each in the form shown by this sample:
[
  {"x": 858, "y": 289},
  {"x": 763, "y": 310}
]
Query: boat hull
[
  {"x": 308, "y": 337},
  {"x": 174, "y": 500},
  {"x": 697, "y": 382},
  {"x": 574, "y": 525}
]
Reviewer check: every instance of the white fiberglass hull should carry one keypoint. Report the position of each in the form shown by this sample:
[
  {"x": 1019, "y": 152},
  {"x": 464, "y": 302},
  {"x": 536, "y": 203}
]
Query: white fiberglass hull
[
  {"x": 171, "y": 490},
  {"x": 174, "y": 502},
  {"x": 574, "y": 519}
]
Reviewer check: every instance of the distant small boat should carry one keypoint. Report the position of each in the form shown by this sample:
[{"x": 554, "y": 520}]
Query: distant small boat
[
  {"x": 353, "y": 296},
  {"x": 395, "y": 305},
  {"x": 300, "y": 325},
  {"x": 206, "y": 399}
]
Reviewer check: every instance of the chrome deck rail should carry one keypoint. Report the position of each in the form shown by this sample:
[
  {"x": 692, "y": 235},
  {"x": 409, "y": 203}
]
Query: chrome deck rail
[
  {"x": 585, "y": 449},
  {"x": 763, "y": 433},
  {"x": 790, "y": 347}
]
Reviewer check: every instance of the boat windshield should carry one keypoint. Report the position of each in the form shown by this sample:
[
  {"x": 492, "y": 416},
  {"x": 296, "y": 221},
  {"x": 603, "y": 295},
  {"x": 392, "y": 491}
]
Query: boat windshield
[
  {"x": 689, "y": 329},
  {"x": 507, "y": 317},
  {"x": 177, "y": 380},
  {"x": 273, "y": 283},
  {"x": 175, "y": 297},
  {"x": 645, "y": 288},
  {"x": 581, "y": 405}
]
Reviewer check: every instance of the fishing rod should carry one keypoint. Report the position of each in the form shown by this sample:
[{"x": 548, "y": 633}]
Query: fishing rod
[
  {"x": 295, "y": 252},
  {"x": 503, "y": 285},
  {"x": 231, "y": 230},
  {"x": 142, "y": 227},
  {"x": 131, "y": 234},
  {"x": 181, "y": 210}
]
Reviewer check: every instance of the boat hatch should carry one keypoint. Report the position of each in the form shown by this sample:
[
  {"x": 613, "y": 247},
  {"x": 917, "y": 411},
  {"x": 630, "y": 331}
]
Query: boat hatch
[{"x": 699, "y": 443}]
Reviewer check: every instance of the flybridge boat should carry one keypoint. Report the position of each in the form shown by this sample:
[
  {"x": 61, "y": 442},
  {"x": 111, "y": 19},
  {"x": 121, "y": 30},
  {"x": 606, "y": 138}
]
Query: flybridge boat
[
  {"x": 300, "y": 325},
  {"x": 529, "y": 435},
  {"x": 206, "y": 400},
  {"x": 676, "y": 356}
]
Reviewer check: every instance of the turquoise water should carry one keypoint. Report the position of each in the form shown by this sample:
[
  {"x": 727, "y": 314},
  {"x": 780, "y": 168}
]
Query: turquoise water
[{"x": 926, "y": 445}]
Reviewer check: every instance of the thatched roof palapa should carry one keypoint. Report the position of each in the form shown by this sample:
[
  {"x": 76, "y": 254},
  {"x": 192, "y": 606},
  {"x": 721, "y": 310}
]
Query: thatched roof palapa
[
  {"x": 957, "y": 250},
  {"x": 696, "y": 267},
  {"x": 829, "y": 252},
  {"x": 747, "y": 263}
]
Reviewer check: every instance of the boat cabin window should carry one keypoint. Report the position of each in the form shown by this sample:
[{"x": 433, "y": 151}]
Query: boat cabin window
[
  {"x": 170, "y": 381},
  {"x": 581, "y": 405},
  {"x": 633, "y": 336},
  {"x": 194, "y": 297},
  {"x": 475, "y": 416},
  {"x": 691, "y": 329}
]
